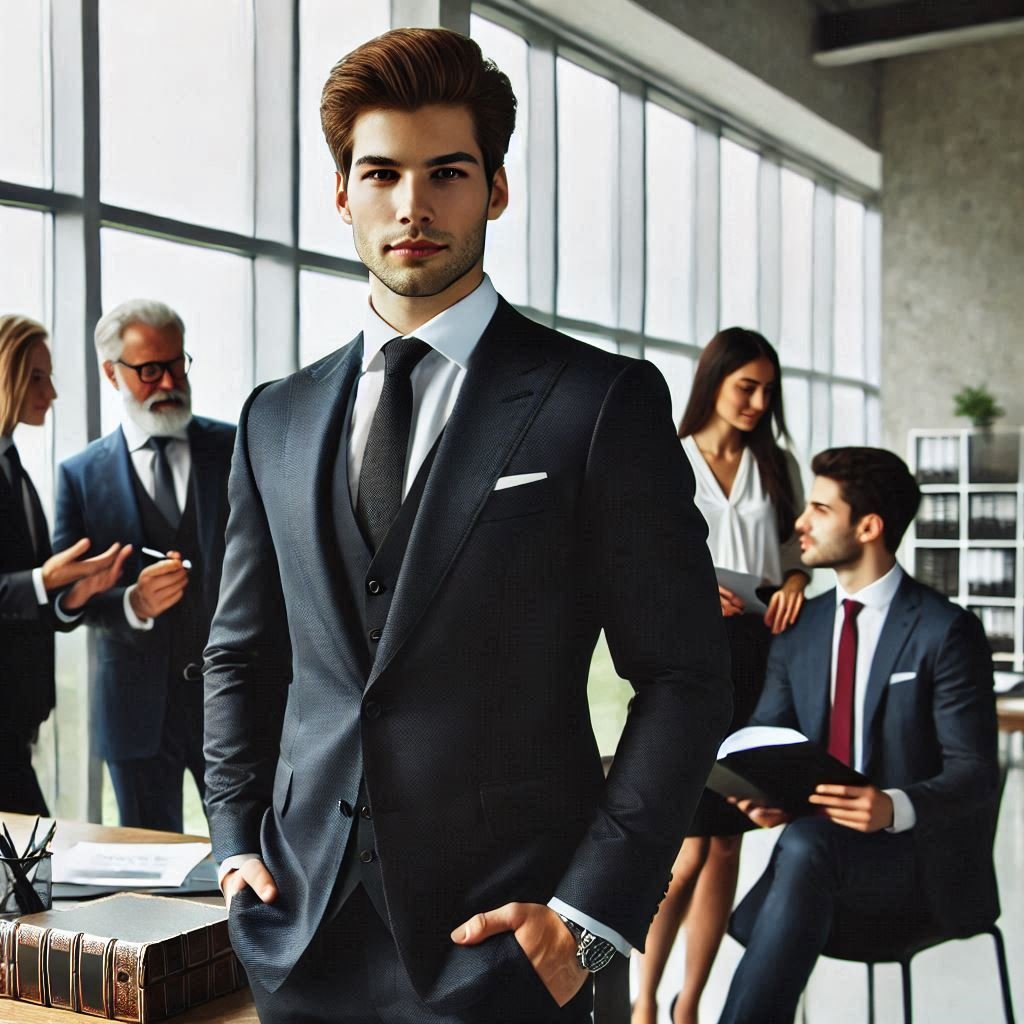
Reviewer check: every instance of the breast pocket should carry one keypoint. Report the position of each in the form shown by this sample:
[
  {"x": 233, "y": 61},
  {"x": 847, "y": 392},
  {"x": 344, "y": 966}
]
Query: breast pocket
[{"x": 515, "y": 502}]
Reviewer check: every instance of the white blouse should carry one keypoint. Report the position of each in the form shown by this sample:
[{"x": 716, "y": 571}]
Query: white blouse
[{"x": 743, "y": 533}]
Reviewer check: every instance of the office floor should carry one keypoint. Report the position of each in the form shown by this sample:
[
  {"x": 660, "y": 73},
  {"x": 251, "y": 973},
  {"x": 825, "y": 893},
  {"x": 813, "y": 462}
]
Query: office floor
[{"x": 956, "y": 983}]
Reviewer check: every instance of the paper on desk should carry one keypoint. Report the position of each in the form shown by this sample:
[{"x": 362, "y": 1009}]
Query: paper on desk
[
  {"x": 127, "y": 864},
  {"x": 744, "y": 585}
]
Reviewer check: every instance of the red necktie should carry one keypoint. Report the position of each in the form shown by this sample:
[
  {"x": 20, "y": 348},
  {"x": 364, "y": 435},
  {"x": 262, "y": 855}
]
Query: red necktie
[{"x": 840, "y": 731}]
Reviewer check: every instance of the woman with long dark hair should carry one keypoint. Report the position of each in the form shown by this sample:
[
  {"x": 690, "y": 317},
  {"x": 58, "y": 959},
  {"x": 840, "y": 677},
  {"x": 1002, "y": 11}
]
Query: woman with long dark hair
[
  {"x": 30, "y": 573},
  {"x": 748, "y": 490}
]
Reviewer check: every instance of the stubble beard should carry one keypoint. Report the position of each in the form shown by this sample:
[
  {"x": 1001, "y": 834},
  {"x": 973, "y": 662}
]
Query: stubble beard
[{"x": 836, "y": 554}]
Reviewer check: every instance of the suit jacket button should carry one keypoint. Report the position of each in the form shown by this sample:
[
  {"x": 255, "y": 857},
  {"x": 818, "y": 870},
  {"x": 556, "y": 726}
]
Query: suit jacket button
[
  {"x": 364, "y": 812},
  {"x": 374, "y": 635},
  {"x": 371, "y": 709},
  {"x": 366, "y": 856},
  {"x": 345, "y": 808},
  {"x": 375, "y": 586}
]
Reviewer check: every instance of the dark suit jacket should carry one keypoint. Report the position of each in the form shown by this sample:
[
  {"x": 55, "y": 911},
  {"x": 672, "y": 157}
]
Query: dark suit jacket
[
  {"x": 96, "y": 499},
  {"x": 473, "y": 728},
  {"x": 931, "y": 733},
  {"x": 26, "y": 627}
]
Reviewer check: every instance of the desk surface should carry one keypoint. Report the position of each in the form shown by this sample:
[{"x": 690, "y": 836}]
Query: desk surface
[{"x": 236, "y": 1008}]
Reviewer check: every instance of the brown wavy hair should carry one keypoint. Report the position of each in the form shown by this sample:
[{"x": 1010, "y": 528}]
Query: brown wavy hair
[
  {"x": 409, "y": 68},
  {"x": 17, "y": 336},
  {"x": 725, "y": 353}
]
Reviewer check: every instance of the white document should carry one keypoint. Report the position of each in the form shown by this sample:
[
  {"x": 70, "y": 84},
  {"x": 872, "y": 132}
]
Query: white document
[
  {"x": 759, "y": 736},
  {"x": 744, "y": 585},
  {"x": 127, "y": 864}
]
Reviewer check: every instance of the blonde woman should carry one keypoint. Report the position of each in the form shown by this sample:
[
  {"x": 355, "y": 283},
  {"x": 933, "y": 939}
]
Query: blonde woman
[{"x": 31, "y": 576}]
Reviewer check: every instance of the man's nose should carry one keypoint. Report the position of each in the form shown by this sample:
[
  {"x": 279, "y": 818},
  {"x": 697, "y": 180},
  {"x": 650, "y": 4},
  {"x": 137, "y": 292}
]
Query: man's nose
[
  {"x": 413, "y": 204},
  {"x": 167, "y": 381}
]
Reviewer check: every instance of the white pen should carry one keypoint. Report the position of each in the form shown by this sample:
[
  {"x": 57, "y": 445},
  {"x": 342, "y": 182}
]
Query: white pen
[{"x": 153, "y": 553}]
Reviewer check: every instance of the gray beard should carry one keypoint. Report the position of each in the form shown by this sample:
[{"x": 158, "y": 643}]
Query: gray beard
[{"x": 158, "y": 424}]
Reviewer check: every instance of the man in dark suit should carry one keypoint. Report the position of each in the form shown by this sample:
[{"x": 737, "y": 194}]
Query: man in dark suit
[
  {"x": 896, "y": 681},
  {"x": 429, "y": 529},
  {"x": 160, "y": 481}
]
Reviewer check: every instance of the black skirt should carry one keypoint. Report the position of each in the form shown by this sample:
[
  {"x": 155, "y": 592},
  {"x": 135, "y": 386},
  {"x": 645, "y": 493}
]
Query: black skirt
[{"x": 749, "y": 641}]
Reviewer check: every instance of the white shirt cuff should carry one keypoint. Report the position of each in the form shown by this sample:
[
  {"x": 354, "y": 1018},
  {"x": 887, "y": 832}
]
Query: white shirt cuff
[
  {"x": 63, "y": 614},
  {"x": 37, "y": 586},
  {"x": 584, "y": 921},
  {"x": 904, "y": 817},
  {"x": 129, "y": 612},
  {"x": 234, "y": 862}
]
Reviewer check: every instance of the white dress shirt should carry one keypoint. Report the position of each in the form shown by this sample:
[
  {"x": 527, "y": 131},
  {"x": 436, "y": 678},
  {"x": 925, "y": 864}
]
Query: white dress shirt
[
  {"x": 877, "y": 599},
  {"x": 179, "y": 457},
  {"x": 6, "y": 441},
  {"x": 436, "y": 381},
  {"x": 743, "y": 531}
]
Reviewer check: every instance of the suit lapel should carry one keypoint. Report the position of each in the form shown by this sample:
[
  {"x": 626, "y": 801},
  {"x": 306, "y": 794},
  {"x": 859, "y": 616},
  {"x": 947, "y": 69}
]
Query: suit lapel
[
  {"x": 121, "y": 514},
  {"x": 318, "y": 403},
  {"x": 899, "y": 623},
  {"x": 507, "y": 380},
  {"x": 814, "y": 673}
]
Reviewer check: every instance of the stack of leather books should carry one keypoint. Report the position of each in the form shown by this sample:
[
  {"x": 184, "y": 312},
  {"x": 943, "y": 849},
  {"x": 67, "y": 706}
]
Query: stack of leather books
[{"x": 126, "y": 957}]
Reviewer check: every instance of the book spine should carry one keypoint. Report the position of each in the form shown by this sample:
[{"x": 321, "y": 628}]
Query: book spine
[
  {"x": 60, "y": 956},
  {"x": 176, "y": 993},
  {"x": 94, "y": 987},
  {"x": 7, "y": 959},
  {"x": 29, "y": 942}
]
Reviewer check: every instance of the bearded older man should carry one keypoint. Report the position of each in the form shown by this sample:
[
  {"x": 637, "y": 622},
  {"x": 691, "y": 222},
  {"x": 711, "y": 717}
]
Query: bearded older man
[{"x": 159, "y": 481}]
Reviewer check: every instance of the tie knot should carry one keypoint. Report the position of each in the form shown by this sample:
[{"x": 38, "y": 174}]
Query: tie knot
[
  {"x": 402, "y": 354},
  {"x": 852, "y": 608},
  {"x": 159, "y": 444}
]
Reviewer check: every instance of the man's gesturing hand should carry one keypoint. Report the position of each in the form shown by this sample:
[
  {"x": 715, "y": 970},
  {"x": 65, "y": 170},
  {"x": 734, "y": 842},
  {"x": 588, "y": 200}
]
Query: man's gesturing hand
[
  {"x": 251, "y": 873},
  {"x": 863, "y": 808},
  {"x": 545, "y": 940},
  {"x": 159, "y": 587},
  {"x": 106, "y": 572}
]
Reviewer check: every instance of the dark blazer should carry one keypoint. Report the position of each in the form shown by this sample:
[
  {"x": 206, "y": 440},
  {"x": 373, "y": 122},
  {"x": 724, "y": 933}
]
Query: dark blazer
[
  {"x": 930, "y": 731},
  {"x": 26, "y": 627},
  {"x": 473, "y": 728},
  {"x": 96, "y": 499}
]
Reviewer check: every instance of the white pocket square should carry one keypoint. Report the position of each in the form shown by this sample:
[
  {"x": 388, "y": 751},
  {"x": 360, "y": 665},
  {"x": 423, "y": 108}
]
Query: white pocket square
[
  {"x": 518, "y": 480},
  {"x": 901, "y": 677}
]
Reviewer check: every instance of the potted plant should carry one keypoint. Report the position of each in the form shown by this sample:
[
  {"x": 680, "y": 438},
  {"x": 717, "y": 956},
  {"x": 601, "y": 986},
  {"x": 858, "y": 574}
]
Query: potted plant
[{"x": 978, "y": 405}]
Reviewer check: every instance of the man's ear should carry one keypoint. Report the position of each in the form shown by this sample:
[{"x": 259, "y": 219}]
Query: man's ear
[
  {"x": 341, "y": 198},
  {"x": 870, "y": 528},
  {"x": 498, "y": 200},
  {"x": 108, "y": 369}
]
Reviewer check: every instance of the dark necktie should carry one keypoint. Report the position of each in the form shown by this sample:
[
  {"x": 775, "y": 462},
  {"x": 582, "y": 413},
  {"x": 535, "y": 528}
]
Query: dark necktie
[
  {"x": 163, "y": 481},
  {"x": 840, "y": 731},
  {"x": 382, "y": 475},
  {"x": 18, "y": 494}
]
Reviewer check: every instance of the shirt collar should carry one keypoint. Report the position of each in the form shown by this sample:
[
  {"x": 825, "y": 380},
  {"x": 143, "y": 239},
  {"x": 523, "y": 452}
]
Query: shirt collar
[
  {"x": 135, "y": 437},
  {"x": 878, "y": 594},
  {"x": 454, "y": 332}
]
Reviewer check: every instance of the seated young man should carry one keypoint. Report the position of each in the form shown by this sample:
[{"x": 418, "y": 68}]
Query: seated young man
[{"x": 896, "y": 681}]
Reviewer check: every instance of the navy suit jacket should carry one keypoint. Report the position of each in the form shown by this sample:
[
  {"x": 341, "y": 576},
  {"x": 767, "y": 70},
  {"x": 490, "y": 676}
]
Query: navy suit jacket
[
  {"x": 930, "y": 730},
  {"x": 96, "y": 499},
  {"x": 472, "y": 729}
]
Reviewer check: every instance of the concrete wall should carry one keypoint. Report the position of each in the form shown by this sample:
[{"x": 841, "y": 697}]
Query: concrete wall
[
  {"x": 774, "y": 39},
  {"x": 952, "y": 142}
]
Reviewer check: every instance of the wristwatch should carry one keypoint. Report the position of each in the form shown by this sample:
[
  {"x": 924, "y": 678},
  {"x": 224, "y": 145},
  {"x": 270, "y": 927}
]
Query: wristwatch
[{"x": 592, "y": 952}]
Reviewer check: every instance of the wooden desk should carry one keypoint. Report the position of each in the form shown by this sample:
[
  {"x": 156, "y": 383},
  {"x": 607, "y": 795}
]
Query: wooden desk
[
  {"x": 1010, "y": 713},
  {"x": 236, "y": 1008}
]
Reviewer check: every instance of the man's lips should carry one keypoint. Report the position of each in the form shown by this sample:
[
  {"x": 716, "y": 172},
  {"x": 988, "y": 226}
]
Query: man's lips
[{"x": 415, "y": 250}]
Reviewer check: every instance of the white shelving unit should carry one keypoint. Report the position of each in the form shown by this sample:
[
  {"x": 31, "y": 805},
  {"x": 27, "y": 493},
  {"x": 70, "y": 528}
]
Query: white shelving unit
[{"x": 968, "y": 539}]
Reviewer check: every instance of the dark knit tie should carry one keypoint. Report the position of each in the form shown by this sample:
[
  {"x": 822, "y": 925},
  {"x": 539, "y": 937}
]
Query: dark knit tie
[
  {"x": 840, "y": 731},
  {"x": 164, "y": 495},
  {"x": 18, "y": 494},
  {"x": 382, "y": 477}
]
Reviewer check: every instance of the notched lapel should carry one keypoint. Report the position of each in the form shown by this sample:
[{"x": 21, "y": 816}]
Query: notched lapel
[
  {"x": 816, "y": 670},
  {"x": 316, "y": 423},
  {"x": 899, "y": 624},
  {"x": 507, "y": 381}
]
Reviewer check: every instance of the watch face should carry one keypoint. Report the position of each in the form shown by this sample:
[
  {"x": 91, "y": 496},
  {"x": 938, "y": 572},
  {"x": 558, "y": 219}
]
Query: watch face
[{"x": 594, "y": 952}]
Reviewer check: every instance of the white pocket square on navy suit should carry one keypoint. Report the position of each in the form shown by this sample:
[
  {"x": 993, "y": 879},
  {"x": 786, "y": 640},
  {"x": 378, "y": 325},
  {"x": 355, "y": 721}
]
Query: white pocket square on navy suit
[
  {"x": 901, "y": 677},
  {"x": 504, "y": 482}
]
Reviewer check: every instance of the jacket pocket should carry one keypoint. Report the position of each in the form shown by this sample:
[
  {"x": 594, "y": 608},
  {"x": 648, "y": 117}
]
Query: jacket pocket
[{"x": 282, "y": 787}]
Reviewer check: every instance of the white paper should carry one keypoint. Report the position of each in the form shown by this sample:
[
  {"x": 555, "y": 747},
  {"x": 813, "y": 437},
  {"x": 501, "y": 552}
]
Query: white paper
[
  {"x": 744, "y": 585},
  {"x": 127, "y": 864},
  {"x": 1007, "y": 680},
  {"x": 759, "y": 736}
]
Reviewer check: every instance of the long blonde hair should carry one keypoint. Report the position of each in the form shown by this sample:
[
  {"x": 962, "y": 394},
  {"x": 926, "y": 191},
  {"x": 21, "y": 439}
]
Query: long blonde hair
[{"x": 17, "y": 336}]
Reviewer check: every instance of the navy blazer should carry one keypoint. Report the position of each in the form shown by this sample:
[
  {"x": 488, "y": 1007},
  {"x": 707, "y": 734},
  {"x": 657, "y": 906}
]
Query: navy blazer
[
  {"x": 473, "y": 728},
  {"x": 96, "y": 499},
  {"x": 929, "y": 729}
]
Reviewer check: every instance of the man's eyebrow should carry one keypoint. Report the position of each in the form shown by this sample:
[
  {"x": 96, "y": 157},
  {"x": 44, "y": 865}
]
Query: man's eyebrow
[
  {"x": 377, "y": 161},
  {"x": 458, "y": 157}
]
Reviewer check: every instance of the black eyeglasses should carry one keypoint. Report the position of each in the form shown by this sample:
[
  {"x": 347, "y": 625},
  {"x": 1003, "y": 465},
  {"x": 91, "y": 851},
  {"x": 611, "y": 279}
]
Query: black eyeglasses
[{"x": 150, "y": 373}]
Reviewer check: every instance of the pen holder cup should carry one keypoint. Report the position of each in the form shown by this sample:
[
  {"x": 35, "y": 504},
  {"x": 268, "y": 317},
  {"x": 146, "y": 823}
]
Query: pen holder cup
[{"x": 22, "y": 877}]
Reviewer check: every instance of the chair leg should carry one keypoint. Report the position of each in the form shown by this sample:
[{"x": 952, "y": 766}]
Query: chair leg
[
  {"x": 1004, "y": 974},
  {"x": 908, "y": 1000},
  {"x": 871, "y": 992}
]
